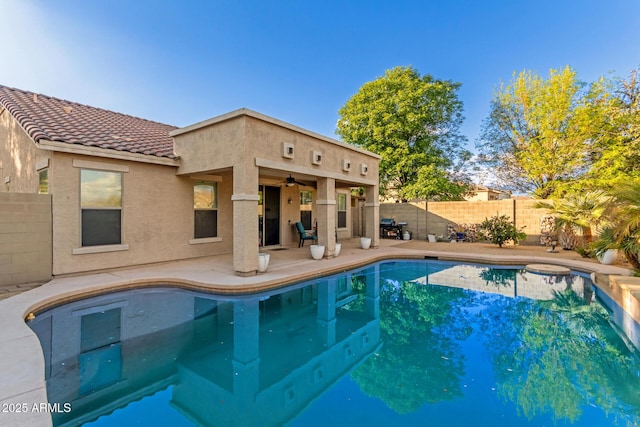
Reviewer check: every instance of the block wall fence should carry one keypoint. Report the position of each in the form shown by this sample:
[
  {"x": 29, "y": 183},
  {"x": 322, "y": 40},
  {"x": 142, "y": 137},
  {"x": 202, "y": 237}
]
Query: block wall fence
[
  {"x": 424, "y": 218},
  {"x": 25, "y": 238}
]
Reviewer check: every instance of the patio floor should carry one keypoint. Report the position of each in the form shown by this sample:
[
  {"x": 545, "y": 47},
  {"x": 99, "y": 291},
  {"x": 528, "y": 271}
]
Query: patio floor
[{"x": 21, "y": 360}]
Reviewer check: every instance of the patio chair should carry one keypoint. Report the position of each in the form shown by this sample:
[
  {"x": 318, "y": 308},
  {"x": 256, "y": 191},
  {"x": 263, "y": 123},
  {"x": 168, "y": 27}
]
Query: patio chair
[{"x": 304, "y": 234}]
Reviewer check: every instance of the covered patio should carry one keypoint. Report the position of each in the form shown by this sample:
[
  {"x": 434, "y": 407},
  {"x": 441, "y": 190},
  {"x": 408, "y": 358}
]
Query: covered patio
[{"x": 263, "y": 166}]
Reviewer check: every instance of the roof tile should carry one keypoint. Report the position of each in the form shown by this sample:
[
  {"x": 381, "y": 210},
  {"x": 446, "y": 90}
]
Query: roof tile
[{"x": 47, "y": 118}]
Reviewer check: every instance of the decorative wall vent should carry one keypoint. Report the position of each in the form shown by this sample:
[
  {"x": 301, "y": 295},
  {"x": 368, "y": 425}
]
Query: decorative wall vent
[
  {"x": 364, "y": 169},
  {"x": 346, "y": 165},
  {"x": 288, "y": 150},
  {"x": 316, "y": 157}
]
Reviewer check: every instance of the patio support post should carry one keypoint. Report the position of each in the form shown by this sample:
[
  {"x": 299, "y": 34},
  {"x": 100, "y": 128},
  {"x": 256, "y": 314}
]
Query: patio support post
[
  {"x": 327, "y": 312},
  {"x": 246, "y": 351},
  {"x": 326, "y": 210},
  {"x": 245, "y": 219},
  {"x": 372, "y": 215},
  {"x": 372, "y": 293}
]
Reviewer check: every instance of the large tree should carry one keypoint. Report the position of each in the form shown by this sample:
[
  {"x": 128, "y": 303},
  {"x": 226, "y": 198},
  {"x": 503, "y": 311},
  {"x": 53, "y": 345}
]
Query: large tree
[
  {"x": 616, "y": 159},
  {"x": 413, "y": 122},
  {"x": 540, "y": 134}
]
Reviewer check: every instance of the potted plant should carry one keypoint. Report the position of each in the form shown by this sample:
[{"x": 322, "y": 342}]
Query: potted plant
[{"x": 623, "y": 230}]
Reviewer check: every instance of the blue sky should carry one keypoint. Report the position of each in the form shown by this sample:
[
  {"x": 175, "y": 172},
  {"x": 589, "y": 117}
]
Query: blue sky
[{"x": 180, "y": 62}]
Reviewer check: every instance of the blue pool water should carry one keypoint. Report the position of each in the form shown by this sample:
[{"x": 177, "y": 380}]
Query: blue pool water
[{"x": 406, "y": 343}]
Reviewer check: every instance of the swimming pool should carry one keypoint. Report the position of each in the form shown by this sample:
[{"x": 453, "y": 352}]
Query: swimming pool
[{"x": 394, "y": 343}]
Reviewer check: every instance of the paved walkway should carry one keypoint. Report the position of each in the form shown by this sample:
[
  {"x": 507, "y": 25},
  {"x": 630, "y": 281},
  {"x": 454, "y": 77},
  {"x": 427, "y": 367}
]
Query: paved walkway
[
  {"x": 21, "y": 359},
  {"x": 7, "y": 291}
]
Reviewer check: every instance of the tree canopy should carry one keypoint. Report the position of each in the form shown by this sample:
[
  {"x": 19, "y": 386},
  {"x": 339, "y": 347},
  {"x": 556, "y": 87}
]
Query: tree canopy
[
  {"x": 542, "y": 133},
  {"x": 413, "y": 122},
  {"x": 616, "y": 159}
]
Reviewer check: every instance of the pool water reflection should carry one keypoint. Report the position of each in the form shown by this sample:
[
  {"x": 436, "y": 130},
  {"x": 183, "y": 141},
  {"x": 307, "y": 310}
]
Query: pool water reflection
[{"x": 395, "y": 343}]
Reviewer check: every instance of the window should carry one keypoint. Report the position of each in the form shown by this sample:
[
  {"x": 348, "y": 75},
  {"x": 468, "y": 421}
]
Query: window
[
  {"x": 306, "y": 209},
  {"x": 101, "y": 205},
  {"x": 342, "y": 210},
  {"x": 205, "y": 207},
  {"x": 43, "y": 181}
]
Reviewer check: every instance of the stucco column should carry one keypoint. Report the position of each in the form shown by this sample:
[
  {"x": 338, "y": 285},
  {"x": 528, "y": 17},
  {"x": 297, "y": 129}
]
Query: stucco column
[
  {"x": 327, "y": 312},
  {"x": 245, "y": 219},
  {"x": 326, "y": 211},
  {"x": 372, "y": 215},
  {"x": 246, "y": 353},
  {"x": 372, "y": 293}
]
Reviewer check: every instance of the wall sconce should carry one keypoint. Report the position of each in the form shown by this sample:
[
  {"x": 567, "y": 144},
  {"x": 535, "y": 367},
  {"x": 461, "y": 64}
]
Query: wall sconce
[{"x": 290, "y": 201}]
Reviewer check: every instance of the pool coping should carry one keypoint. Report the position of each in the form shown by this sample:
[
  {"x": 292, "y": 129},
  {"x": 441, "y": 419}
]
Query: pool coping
[{"x": 22, "y": 362}]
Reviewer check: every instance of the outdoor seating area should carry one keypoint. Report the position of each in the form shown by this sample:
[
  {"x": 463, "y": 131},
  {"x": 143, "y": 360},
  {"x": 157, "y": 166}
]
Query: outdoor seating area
[{"x": 304, "y": 234}]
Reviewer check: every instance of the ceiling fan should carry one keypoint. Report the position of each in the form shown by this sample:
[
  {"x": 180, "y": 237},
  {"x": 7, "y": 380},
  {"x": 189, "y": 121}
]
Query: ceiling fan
[{"x": 290, "y": 182}]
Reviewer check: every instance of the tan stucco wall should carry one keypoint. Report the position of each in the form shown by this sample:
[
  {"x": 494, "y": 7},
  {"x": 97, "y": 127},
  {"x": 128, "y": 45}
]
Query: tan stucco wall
[
  {"x": 211, "y": 148},
  {"x": 25, "y": 238},
  {"x": 157, "y": 200},
  {"x": 264, "y": 141},
  {"x": 253, "y": 147},
  {"x": 157, "y": 217},
  {"x": 18, "y": 157},
  {"x": 245, "y": 137}
]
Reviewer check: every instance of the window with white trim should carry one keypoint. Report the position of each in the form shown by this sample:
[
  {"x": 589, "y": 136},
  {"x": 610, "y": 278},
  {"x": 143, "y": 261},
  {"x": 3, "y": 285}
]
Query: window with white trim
[
  {"x": 342, "y": 210},
  {"x": 101, "y": 206},
  {"x": 205, "y": 208}
]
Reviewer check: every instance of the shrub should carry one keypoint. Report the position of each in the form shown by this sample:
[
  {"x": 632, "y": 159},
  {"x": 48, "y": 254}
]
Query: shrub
[{"x": 500, "y": 229}]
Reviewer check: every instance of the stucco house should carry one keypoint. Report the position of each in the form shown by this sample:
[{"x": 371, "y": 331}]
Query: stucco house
[
  {"x": 127, "y": 191},
  {"x": 482, "y": 193}
]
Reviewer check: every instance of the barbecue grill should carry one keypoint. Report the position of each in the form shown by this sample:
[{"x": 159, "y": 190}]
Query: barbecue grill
[{"x": 390, "y": 229}]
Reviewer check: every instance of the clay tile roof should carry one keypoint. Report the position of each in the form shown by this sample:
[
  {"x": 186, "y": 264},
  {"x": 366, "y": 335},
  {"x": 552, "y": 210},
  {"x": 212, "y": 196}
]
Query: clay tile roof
[{"x": 53, "y": 119}]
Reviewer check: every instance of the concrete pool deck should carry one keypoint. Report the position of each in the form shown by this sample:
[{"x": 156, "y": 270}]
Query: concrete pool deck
[{"x": 22, "y": 383}]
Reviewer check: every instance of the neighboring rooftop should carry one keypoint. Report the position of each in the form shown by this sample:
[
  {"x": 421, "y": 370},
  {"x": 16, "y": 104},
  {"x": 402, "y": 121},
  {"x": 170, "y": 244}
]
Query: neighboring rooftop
[{"x": 45, "y": 118}]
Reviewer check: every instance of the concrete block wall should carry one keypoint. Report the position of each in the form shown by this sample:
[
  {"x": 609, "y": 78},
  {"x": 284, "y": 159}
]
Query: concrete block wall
[
  {"x": 25, "y": 238},
  {"x": 440, "y": 214},
  {"x": 433, "y": 217},
  {"x": 413, "y": 213}
]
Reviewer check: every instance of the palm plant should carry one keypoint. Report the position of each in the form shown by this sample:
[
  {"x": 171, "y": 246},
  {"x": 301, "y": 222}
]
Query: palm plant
[
  {"x": 610, "y": 238},
  {"x": 582, "y": 211},
  {"x": 624, "y": 231}
]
